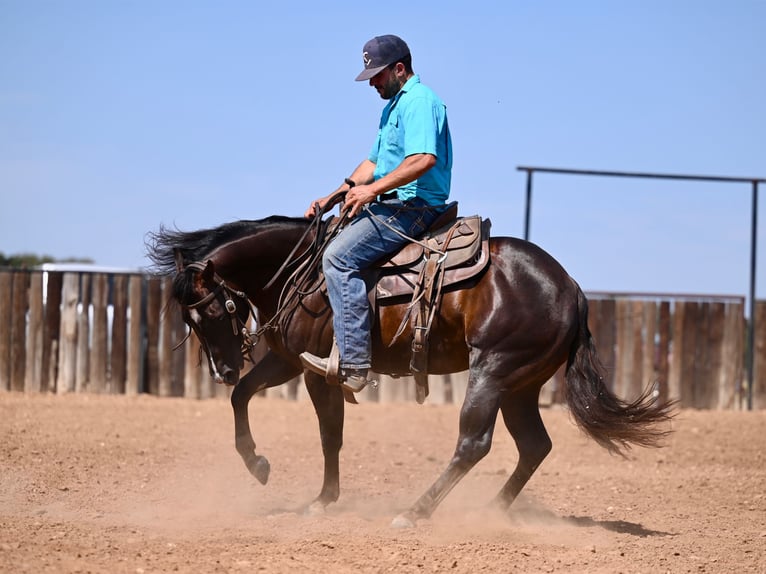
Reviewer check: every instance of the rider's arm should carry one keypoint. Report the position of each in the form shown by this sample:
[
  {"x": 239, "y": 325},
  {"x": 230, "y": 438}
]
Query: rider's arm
[
  {"x": 363, "y": 174},
  {"x": 409, "y": 170}
]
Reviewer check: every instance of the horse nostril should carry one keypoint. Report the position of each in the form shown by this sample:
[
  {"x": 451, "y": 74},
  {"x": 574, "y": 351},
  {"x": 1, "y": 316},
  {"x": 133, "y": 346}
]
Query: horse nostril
[{"x": 230, "y": 376}]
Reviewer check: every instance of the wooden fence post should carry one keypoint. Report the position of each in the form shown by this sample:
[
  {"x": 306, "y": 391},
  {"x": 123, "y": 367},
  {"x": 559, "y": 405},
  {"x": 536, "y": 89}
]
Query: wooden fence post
[
  {"x": 625, "y": 348},
  {"x": 732, "y": 356},
  {"x": 759, "y": 357},
  {"x": 118, "y": 363},
  {"x": 82, "y": 363},
  {"x": 153, "y": 309},
  {"x": 604, "y": 332},
  {"x": 100, "y": 347},
  {"x": 663, "y": 351},
  {"x": 676, "y": 345},
  {"x": 191, "y": 367},
  {"x": 649, "y": 344},
  {"x": 18, "y": 329},
  {"x": 68, "y": 341},
  {"x": 52, "y": 329},
  {"x": 6, "y": 297},
  {"x": 135, "y": 366},
  {"x": 165, "y": 343},
  {"x": 710, "y": 391},
  {"x": 34, "y": 341}
]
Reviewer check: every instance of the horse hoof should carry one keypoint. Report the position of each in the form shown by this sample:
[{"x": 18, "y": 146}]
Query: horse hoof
[
  {"x": 402, "y": 521},
  {"x": 316, "y": 508},
  {"x": 260, "y": 469}
]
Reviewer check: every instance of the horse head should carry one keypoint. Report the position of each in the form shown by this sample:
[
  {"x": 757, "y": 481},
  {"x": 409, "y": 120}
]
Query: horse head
[{"x": 218, "y": 313}]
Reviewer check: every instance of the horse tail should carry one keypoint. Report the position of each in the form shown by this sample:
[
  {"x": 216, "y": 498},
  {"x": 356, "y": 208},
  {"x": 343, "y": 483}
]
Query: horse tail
[{"x": 610, "y": 421}]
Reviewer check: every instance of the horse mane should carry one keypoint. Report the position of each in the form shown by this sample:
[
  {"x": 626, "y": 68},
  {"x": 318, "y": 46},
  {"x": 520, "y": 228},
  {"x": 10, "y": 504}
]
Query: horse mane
[{"x": 161, "y": 246}]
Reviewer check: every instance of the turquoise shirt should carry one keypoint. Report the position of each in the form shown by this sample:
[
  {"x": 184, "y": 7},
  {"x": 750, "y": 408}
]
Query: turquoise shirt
[{"x": 415, "y": 121}]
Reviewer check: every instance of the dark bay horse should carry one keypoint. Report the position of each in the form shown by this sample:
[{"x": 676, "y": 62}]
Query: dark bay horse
[{"x": 511, "y": 328}]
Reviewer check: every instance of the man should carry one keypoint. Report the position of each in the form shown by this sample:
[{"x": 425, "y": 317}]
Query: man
[{"x": 410, "y": 162}]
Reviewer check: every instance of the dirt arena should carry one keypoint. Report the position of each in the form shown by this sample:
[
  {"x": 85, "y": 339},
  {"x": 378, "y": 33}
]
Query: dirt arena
[{"x": 141, "y": 485}]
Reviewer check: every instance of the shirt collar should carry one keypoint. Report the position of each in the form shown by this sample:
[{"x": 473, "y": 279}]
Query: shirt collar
[{"x": 415, "y": 79}]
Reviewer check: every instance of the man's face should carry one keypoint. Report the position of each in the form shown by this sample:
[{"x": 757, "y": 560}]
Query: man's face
[{"x": 387, "y": 82}]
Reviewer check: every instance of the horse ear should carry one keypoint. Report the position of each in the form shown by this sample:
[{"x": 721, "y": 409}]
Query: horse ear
[
  {"x": 179, "y": 260},
  {"x": 209, "y": 271}
]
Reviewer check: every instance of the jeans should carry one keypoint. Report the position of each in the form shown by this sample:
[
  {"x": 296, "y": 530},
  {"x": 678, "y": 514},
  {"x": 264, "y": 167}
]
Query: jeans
[{"x": 363, "y": 242}]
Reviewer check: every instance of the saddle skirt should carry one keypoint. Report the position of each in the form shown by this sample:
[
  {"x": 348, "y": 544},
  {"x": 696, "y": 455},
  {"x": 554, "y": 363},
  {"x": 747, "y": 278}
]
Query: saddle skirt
[{"x": 462, "y": 249}]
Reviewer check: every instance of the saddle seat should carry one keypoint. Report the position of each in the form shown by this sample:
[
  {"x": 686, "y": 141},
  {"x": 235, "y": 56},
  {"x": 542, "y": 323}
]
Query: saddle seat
[{"x": 459, "y": 246}]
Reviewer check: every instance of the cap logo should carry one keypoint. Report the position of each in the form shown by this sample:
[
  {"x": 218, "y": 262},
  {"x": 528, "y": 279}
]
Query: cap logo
[{"x": 367, "y": 60}]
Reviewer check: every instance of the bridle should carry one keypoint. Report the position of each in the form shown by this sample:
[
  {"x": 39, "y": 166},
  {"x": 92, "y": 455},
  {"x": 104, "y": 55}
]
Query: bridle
[{"x": 238, "y": 326}]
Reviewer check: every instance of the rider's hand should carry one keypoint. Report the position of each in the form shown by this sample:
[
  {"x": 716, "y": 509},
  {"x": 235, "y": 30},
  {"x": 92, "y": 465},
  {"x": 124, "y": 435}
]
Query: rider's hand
[
  {"x": 358, "y": 196},
  {"x": 314, "y": 208}
]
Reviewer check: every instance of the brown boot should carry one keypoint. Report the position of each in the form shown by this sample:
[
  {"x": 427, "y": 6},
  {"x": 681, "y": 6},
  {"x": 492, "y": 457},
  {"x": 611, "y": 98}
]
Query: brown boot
[{"x": 353, "y": 380}]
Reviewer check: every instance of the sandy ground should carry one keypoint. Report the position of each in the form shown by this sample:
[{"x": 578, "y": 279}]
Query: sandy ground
[{"x": 141, "y": 484}]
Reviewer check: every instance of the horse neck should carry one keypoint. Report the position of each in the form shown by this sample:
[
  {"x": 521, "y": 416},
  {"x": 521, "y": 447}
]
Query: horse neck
[{"x": 251, "y": 261}]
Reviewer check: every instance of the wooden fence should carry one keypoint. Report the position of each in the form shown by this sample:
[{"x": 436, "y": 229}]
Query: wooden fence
[{"x": 107, "y": 333}]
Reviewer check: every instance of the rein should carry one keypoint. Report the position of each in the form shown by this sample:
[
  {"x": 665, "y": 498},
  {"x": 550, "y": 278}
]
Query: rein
[{"x": 298, "y": 285}]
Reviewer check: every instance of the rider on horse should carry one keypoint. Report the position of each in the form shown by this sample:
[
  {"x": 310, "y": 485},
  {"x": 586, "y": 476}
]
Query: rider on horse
[{"x": 393, "y": 195}]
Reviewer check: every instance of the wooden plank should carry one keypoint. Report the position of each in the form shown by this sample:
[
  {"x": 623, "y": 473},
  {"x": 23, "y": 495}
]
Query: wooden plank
[
  {"x": 135, "y": 364},
  {"x": 636, "y": 377},
  {"x": 165, "y": 350},
  {"x": 118, "y": 356},
  {"x": 192, "y": 372},
  {"x": 714, "y": 343},
  {"x": 51, "y": 329},
  {"x": 19, "y": 329},
  {"x": 179, "y": 358},
  {"x": 663, "y": 350},
  {"x": 153, "y": 310},
  {"x": 100, "y": 347},
  {"x": 34, "y": 341},
  {"x": 676, "y": 354},
  {"x": 67, "y": 348},
  {"x": 689, "y": 352},
  {"x": 731, "y": 378},
  {"x": 82, "y": 370},
  {"x": 649, "y": 346},
  {"x": 624, "y": 348},
  {"x": 759, "y": 357},
  {"x": 6, "y": 297},
  {"x": 605, "y": 337}
]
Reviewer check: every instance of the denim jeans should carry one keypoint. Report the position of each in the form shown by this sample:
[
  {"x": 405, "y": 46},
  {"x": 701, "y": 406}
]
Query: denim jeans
[{"x": 363, "y": 242}]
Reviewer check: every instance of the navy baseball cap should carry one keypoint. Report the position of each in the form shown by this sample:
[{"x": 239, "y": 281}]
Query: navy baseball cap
[{"x": 380, "y": 52}]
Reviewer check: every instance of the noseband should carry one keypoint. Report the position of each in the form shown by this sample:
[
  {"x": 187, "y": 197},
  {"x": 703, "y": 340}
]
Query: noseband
[{"x": 238, "y": 326}]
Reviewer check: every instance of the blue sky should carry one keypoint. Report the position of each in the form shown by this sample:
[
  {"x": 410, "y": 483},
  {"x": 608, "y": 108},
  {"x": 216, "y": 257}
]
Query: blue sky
[{"x": 117, "y": 116}]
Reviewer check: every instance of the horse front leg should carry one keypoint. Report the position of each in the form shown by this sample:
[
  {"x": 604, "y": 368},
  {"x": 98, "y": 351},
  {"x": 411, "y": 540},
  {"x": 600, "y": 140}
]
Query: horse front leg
[
  {"x": 329, "y": 406},
  {"x": 268, "y": 372}
]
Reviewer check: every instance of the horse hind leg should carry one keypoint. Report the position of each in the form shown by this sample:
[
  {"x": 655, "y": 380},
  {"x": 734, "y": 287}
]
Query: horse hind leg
[
  {"x": 477, "y": 423},
  {"x": 521, "y": 414}
]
